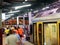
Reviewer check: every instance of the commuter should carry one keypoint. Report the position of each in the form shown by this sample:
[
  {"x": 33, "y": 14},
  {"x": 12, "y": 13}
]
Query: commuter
[
  {"x": 7, "y": 31},
  {"x": 16, "y": 30},
  {"x": 20, "y": 31},
  {"x": 12, "y": 39},
  {"x": 16, "y": 33},
  {"x": 23, "y": 39},
  {"x": 3, "y": 30}
]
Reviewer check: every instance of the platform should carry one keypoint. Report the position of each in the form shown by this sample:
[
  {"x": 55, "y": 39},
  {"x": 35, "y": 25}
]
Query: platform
[{"x": 26, "y": 42}]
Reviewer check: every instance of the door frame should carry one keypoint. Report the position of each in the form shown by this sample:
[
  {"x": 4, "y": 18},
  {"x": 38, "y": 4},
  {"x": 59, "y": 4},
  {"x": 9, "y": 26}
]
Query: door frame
[
  {"x": 34, "y": 24},
  {"x": 58, "y": 22},
  {"x": 38, "y": 32}
]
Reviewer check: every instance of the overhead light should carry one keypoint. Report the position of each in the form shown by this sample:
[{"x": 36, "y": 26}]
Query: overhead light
[
  {"x": 26, "y": 0},
  {"x": 36, "y": 11},
  {"x": 14, "y": 11},
  {"x": 45, "y": 8},
  {"x": 9, "y": 14},
  {"x": 18, "y": 7}
]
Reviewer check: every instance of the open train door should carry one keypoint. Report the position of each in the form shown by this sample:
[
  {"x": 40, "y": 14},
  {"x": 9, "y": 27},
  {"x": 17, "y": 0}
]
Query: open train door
[{"x": 40, "y": 33}]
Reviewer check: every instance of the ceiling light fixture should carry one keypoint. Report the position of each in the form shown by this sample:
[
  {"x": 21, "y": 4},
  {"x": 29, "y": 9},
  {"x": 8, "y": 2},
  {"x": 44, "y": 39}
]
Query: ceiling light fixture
[
  {"x": 14, "y": 11},
  {"x": 18, "y": 7},
  {"x": 9, "y": 14},
  {"x": 36, "y": 11},
  {"x": 45, "y": 8},
  {"x": 26, "y": 0}
]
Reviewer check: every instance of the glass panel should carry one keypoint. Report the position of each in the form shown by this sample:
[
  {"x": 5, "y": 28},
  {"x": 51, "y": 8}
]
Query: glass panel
[
  {"x": 50, "y": 34},
  {"x": 31, "y": 29},
  {"x": 40, "y": 28},
  {"x": 54, "y": 34},
  {"x": 40, "y": 33}
]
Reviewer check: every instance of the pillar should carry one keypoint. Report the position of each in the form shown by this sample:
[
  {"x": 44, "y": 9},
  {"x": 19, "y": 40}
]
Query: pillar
[
  {"x": 23, "y": 20},
  {"x": 30, "y": 22},
  {"x": 17, "y": 20}
]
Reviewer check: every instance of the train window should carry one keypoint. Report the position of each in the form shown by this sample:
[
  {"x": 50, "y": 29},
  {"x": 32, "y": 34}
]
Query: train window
[
  {"x": 31, "y": 29},
  {"x": 40, "y": 28},
  {"x": 40, "y": 33}
]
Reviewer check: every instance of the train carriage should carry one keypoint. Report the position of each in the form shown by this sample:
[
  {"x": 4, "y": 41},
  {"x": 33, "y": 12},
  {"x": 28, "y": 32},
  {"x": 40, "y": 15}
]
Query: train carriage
[{"x": 47, "y": 30}]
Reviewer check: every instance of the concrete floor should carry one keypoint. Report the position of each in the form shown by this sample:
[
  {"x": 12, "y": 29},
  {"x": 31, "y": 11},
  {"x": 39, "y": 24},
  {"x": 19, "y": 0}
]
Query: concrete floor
[{"x": 26, "y": 42}]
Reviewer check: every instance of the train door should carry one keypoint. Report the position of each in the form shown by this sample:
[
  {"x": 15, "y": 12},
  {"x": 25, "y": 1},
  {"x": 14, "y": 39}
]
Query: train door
[
  {"x": 40, "y": 33},
  {"x": 50, "y": 33},
  {"x": 35, "y": 33},
  {"x": 58, "y": 32}
]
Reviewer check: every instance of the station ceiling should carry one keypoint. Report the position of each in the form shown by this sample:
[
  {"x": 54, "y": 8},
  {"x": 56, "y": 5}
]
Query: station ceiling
[
  {"x": 35, "y": 4},
  {"x": 7, "y": 4}
]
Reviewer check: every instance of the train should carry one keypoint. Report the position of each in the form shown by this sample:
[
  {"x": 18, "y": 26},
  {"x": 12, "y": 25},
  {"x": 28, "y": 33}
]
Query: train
[{"x": 46, "y": 30}]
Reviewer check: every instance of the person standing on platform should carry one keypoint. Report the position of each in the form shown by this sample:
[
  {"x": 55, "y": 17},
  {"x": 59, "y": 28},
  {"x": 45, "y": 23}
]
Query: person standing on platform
[
  {"x": 24, "y": 39},
  {"x": 20, "y": 32},
  {"x": 12, "y": 39},
  {"x": 7, "y": 31}
]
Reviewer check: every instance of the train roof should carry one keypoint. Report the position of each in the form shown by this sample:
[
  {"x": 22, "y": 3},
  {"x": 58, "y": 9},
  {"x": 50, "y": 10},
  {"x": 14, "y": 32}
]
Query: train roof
[{"x": 51, "y": 17}]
